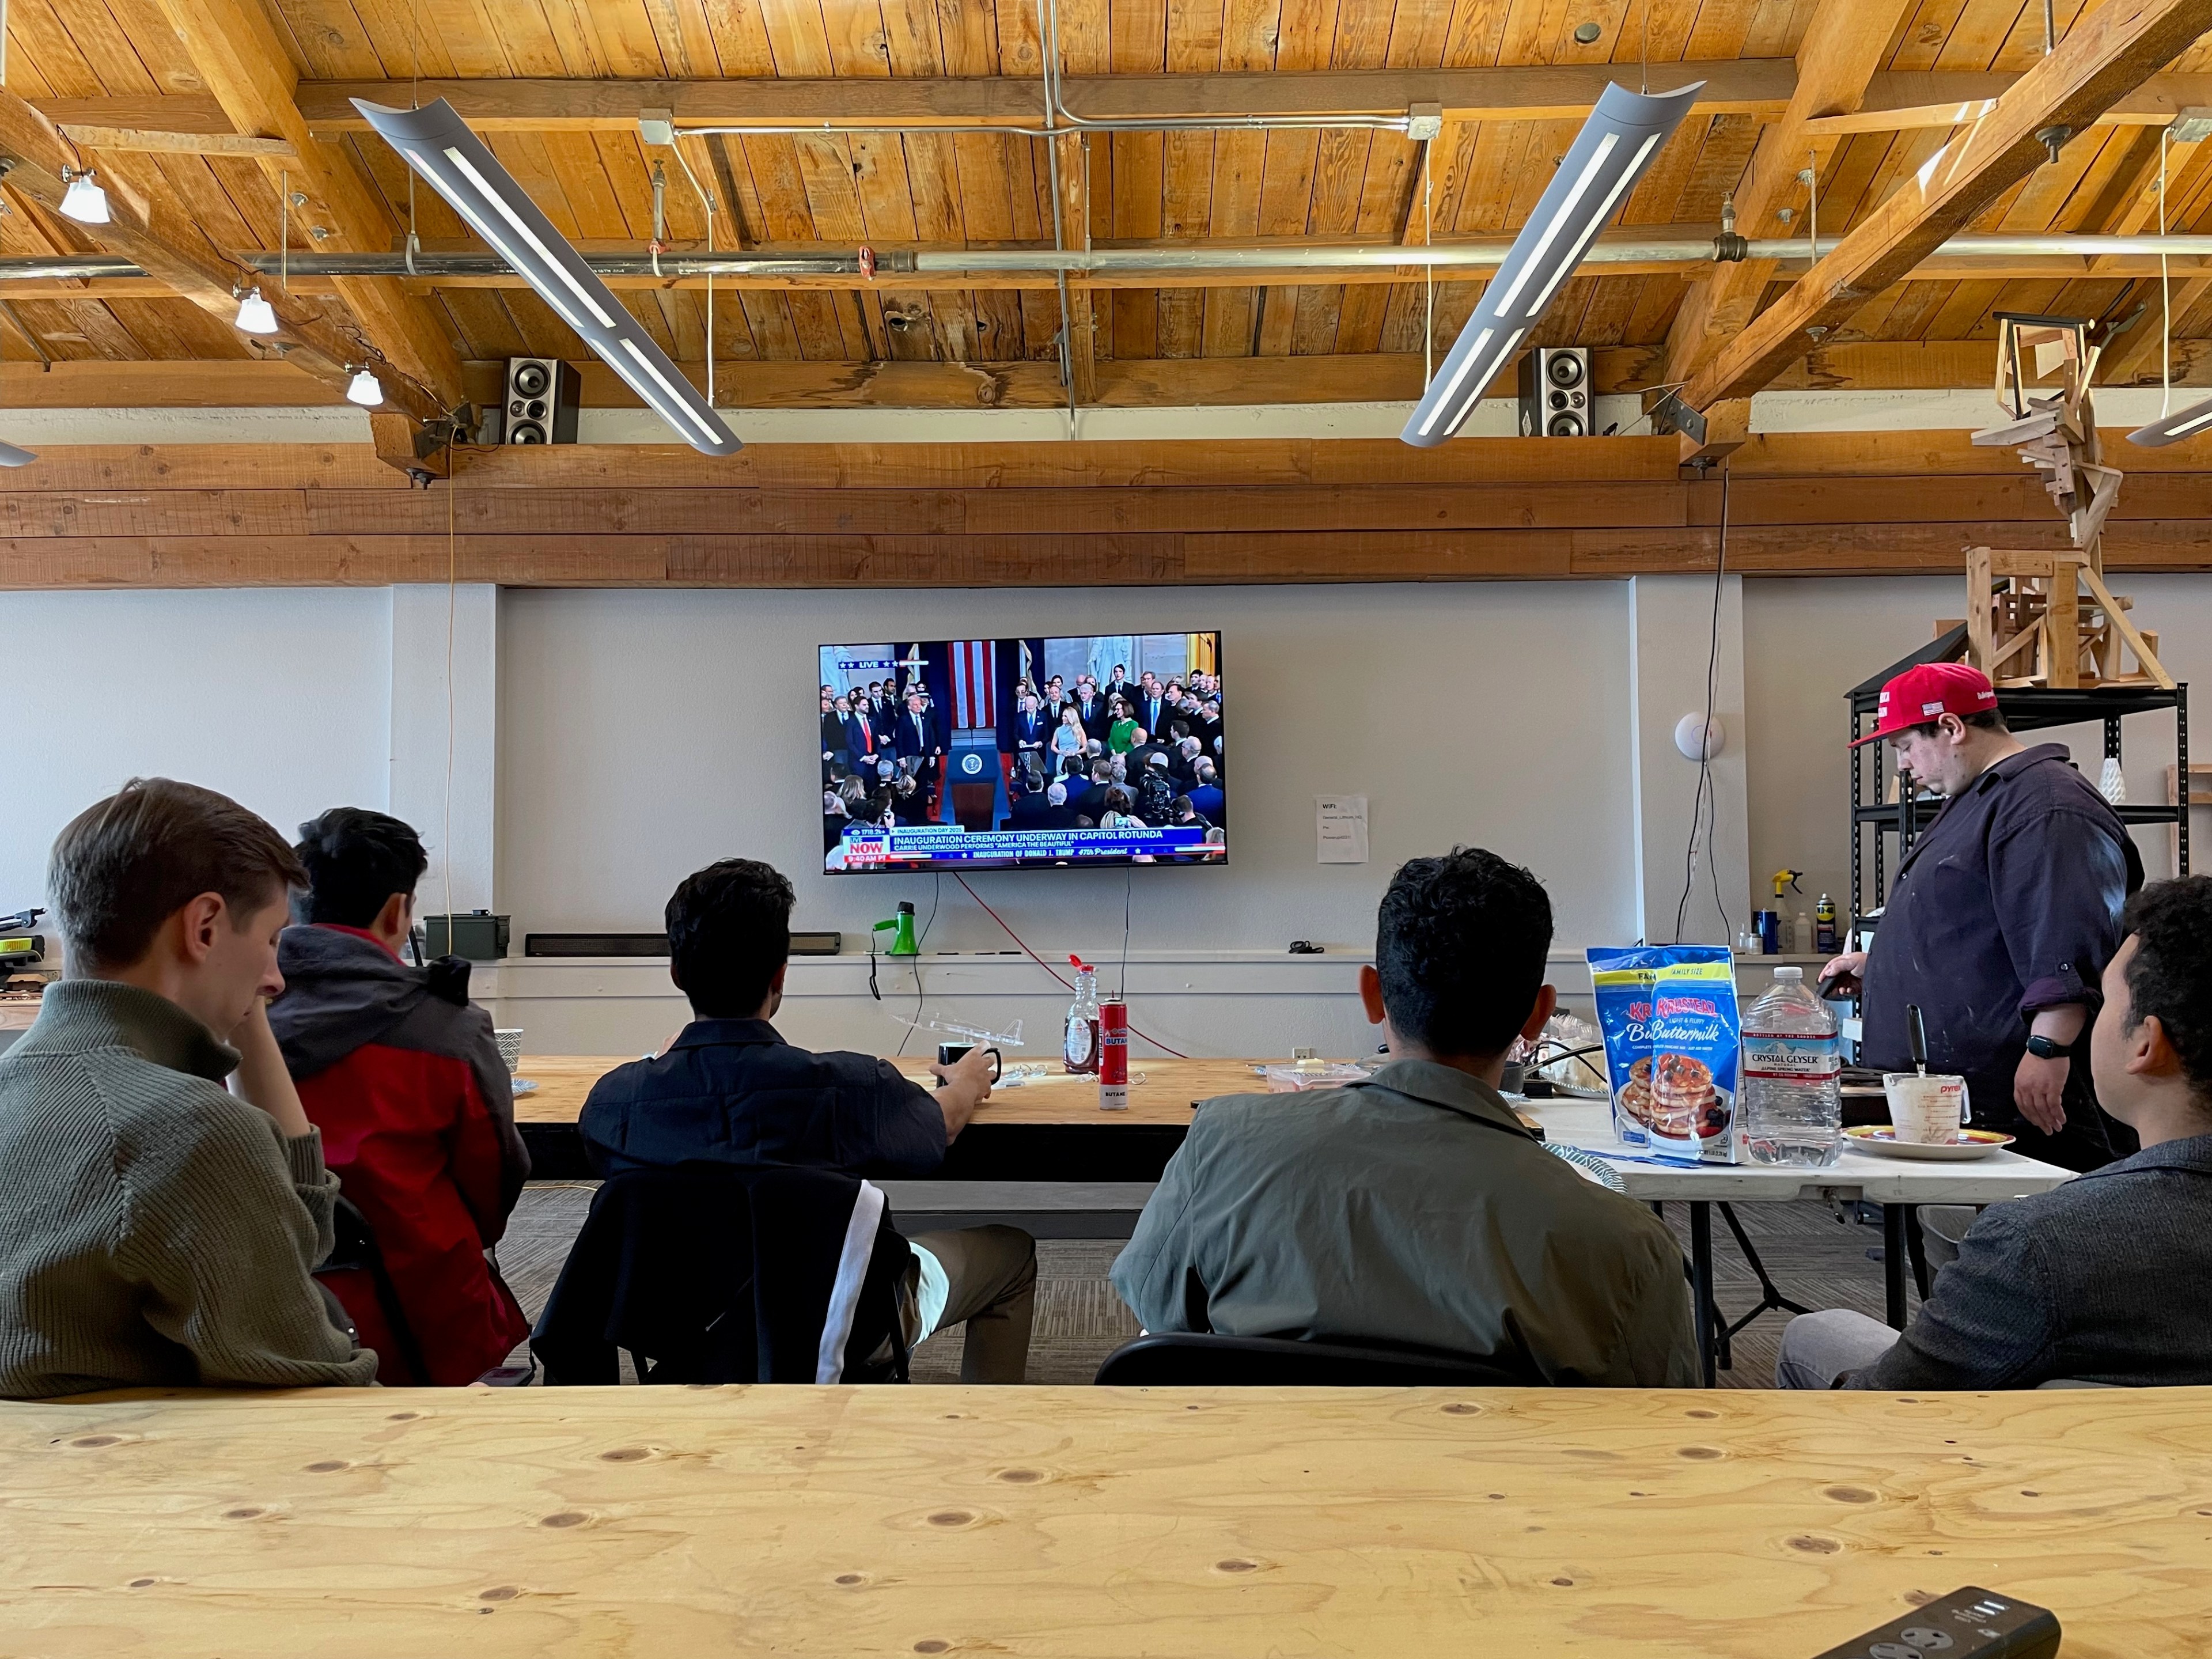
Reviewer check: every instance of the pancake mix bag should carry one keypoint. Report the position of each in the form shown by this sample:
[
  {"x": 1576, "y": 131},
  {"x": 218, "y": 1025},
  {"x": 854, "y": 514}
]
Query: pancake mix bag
[{"x": 1668, "y": 1014}]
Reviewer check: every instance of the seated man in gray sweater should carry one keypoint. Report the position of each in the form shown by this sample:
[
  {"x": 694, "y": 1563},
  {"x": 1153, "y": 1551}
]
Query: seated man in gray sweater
[
  {"x": 1414, "y": 1210},
  {"x": 2109, "y": 1277},
  {"x": 155, "y": 1228}
]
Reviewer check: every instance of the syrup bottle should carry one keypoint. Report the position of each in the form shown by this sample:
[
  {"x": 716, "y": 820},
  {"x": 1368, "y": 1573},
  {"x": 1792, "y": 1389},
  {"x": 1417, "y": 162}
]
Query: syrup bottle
[{"x": 1080, "y": 1051}]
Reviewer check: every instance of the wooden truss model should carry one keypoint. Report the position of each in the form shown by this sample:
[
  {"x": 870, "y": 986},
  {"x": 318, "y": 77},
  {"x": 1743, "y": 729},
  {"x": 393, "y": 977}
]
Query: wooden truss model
[{"x": 2028, "y": 622}]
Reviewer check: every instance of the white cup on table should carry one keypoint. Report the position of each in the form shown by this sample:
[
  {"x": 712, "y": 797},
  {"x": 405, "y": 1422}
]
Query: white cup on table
[{"x": 1926, "y": 1109}]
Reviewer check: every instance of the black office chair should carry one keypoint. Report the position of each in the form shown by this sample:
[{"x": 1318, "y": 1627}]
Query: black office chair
[{"x": 1188, "y": 1360}]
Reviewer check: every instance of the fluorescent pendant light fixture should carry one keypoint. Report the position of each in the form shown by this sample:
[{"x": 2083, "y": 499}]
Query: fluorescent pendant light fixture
[
  {"x": 84, "y": 201},
  {"x": 1615, "y": 148},
  {"x": 12, "y": 456},
  {"x": 255, "y": 315},
  {"x": 2189, "y": 422},
  {"x": 365, "y": 389},
  {"x": 457, "y": 164}
]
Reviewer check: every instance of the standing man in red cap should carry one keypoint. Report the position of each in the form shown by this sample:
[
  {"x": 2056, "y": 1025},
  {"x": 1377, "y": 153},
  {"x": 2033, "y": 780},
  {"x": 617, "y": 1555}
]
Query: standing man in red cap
[{"x": 2002, "y": 918}]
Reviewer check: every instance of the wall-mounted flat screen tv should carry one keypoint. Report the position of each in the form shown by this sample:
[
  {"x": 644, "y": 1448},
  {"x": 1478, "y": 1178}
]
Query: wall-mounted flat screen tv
[{"x": 1099, "y": 749}]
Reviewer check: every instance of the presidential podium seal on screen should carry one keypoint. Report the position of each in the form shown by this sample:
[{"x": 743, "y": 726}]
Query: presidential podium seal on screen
[{"x": 1100, "y": 749}]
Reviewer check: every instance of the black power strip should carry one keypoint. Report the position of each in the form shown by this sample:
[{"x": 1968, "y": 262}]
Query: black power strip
[{"x": 1967, "y": 1623}]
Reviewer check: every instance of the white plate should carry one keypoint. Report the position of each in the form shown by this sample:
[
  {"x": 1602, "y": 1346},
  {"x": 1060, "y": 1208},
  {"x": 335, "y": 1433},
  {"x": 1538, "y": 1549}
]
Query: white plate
[{"x": 1881, "y": 1140}]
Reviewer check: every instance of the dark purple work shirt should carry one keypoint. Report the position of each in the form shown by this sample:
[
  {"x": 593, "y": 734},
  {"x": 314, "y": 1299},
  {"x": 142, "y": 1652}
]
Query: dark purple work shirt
[{"x": 2008, "y": 903}]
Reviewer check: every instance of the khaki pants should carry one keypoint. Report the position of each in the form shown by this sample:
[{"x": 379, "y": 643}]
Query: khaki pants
[{"x": 991, "y": 1275}]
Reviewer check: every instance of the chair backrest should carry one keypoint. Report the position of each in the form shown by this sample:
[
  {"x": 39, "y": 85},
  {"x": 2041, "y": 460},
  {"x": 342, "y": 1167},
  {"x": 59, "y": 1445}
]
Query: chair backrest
[
  {"x": 729, "y": 1275},
  {"x": 1181, "y": 1358}
]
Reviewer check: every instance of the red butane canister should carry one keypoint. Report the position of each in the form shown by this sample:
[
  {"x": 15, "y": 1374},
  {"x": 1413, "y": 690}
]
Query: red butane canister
[{"x": 1114, "y": 1056}]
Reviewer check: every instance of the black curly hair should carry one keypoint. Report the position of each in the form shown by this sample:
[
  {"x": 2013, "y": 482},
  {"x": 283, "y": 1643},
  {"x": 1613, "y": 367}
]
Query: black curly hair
[
  {"x": 1459, "y": 946},
  {"x": 356, "y": 859},
  {"x": 729, "y": 930},
  {"x": 2171, "y": 977}
]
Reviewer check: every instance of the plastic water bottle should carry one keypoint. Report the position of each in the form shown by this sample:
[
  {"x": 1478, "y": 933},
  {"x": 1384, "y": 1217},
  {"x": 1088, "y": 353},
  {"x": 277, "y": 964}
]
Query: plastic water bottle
[{"x": 1792, "y": 1077}]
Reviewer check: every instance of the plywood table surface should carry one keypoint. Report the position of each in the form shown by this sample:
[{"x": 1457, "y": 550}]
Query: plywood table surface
[
  {"x": 1094, "y": 1523},
  {"x": 1160, "y": 1091}
]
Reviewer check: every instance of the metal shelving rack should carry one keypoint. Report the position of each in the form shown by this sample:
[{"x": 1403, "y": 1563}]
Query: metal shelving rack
[{"x": 2026, "y": 709}]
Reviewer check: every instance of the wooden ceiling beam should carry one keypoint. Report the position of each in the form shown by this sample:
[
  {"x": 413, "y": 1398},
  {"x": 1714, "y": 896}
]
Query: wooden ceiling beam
[
  {"x": 137, "y": 140},
  {"x": 1843, "y": 45},
  {"x": 1540, "y": 93},
  {"x": 1758, "y": 87},
  {"x": 2037, "y": 268},
  {"x": 2105, "y": 55},
  {"x": 1905, "y": 101},
  {"x": 171, "y": 248},
  {"x": 237, "y": 52},
  {"x": 1761, "y": 88},
  {"x": 1144, "y": 383}
]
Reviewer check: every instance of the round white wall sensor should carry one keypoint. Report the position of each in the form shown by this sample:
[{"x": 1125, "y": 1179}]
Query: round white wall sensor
[{"x": 1686, "y": 736}]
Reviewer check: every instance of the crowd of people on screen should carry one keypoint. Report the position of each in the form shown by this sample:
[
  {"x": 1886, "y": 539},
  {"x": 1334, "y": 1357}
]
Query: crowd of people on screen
[{"x": 1074, "y": 755}]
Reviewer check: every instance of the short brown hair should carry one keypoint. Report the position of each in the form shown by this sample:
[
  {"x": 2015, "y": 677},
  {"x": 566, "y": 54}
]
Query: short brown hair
[{"x": 127, "y": 864}]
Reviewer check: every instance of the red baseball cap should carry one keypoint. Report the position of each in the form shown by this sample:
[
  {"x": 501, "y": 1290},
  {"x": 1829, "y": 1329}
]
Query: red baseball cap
[{"x": 1919, "y": 695}]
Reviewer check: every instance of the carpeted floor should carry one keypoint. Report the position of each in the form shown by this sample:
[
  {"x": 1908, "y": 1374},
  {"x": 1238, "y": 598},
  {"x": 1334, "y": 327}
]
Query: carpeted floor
[{"x": 1814, "y": 1258}]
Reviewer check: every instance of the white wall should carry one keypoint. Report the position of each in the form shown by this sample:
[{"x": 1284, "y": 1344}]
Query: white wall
[
  {"x": 279, "y": 697},
  {"x": 644, "y": 734}
]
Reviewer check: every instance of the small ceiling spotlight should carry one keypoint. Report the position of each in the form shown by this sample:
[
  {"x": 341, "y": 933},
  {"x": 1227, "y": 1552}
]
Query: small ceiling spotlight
[
  {"x": 255, "y": 315},
  {"x": 1587, "y": 32},
  {"x": 366, "y": 389},
  {"x": 84, "y": 201}
]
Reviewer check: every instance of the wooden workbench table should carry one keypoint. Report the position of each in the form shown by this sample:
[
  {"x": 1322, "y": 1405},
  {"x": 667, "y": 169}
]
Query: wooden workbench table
[
  {"x": 1160, "y": 1091},
  {"x": 1050, "y": 1130},
  {"x": 1607, "y": 1524}
]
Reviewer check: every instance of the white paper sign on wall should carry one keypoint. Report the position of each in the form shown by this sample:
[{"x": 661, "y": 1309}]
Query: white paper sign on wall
[{"x": 1341, "y": 828}]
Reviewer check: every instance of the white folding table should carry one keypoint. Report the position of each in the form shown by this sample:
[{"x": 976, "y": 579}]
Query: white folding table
[{"x": 1899, "y": 1185}]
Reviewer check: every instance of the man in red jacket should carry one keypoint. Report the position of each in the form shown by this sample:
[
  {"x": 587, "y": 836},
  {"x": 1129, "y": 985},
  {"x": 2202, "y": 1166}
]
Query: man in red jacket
[{"x": 401, "y": 1073}]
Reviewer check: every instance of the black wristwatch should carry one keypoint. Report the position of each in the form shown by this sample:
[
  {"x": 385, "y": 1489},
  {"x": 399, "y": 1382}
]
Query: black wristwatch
[{"x": 2043, "y": 1047}]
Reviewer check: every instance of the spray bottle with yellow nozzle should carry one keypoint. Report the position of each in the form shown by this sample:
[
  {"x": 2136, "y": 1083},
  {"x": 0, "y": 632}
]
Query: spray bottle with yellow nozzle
[{"x": 1775, "y": 932}]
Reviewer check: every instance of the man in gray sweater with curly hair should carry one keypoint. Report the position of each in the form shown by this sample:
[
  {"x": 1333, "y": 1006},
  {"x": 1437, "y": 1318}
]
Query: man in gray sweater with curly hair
[{"x": 156, "y": 1229}]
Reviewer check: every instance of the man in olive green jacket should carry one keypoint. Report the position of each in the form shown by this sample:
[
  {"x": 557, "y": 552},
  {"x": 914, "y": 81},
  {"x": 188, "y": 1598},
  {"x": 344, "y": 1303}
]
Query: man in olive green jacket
[{"x": 1413, "y": 1209}]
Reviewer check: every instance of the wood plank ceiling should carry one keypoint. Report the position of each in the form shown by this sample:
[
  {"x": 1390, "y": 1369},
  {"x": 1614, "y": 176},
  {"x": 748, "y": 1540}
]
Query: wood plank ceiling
[{"x": 937, "y": 189}]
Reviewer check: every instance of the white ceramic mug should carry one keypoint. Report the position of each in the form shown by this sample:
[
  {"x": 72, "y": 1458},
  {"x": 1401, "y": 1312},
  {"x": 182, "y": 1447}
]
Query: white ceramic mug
[
  {"x": 1925, "y": 1111},
  {"x": 509, "y": 1039}
]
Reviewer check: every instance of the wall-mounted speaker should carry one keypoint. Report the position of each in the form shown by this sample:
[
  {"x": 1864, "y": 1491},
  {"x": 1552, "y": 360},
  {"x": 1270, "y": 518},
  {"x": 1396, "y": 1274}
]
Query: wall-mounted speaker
[
  {"x": 542, "y": 395},
  {"x": 1556, "y": 393}
]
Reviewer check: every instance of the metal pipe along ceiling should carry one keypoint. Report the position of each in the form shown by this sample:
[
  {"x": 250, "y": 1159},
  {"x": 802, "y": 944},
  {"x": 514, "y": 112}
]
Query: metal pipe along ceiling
[{"x": 1687, "y": 251}]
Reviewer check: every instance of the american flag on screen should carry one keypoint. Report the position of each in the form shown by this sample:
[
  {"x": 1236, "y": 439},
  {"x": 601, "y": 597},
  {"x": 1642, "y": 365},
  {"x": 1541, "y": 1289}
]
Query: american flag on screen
[{"x": 974, "y": 705}]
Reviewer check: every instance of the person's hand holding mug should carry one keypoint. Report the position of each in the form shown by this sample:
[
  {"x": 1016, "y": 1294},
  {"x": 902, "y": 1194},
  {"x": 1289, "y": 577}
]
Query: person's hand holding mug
[
  {"x": 965, "y": 1077},
  {"x": 1841, "y": 977}
]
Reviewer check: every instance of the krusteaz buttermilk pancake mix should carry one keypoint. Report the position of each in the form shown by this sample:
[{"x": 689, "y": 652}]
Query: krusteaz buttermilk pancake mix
[{"x": 1672, "y": 1041}]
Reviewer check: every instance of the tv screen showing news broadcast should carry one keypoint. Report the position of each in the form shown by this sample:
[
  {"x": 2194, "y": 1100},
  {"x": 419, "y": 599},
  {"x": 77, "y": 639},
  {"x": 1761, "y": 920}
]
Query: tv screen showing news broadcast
[{"x": 1103, "y": 748}]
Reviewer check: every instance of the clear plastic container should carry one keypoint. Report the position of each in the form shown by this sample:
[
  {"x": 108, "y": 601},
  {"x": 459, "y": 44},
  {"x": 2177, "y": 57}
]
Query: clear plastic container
[{"x": 1792, "y": 1077}]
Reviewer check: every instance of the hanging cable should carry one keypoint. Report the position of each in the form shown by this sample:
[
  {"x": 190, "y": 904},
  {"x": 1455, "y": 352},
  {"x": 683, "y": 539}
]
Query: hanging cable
[
  {"x": 1428, "y": 240},
  {"x": 1699, "y": 804},
  {"x": 1065, "y": 984},
  {"x": 706, "y": 202},
  {"x": 452, "y": 584},
  {"x": 936, "y": 892},
  {"x": 2164, "y": 290}
]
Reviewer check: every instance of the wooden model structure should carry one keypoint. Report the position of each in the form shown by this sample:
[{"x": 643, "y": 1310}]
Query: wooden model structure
[{"x": 2028, "y": 622}]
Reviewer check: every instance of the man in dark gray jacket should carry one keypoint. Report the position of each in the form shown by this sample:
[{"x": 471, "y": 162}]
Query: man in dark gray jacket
[
  {"x": 1413, "y": 1210},
  {"x": 2109, "y": 1277}
]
